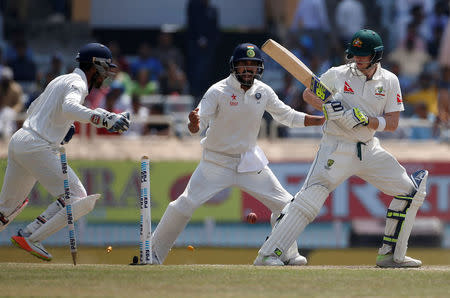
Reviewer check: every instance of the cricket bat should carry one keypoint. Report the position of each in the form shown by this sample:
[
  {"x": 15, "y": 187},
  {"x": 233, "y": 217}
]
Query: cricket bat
[{"x": 296, "y": 68}]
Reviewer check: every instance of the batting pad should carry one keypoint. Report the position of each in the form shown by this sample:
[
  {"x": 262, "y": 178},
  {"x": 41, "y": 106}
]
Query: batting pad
[
  {"x": 302, "y": 210},
  {"x": 80, "y": 208},
  {"x": 275, "y": 218},
  {"x": 13, "y": 215},
  {"x": 401, "y": 215},
  {"x": 420, "y": 182},
  {"x": 170, "y": 226}
]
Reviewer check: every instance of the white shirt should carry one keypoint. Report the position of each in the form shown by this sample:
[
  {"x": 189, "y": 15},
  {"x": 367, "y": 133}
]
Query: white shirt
[
  {"x": 375, "y": 97},
  {"x": 52, "y": 113},
  {"x": 234, "y": 116}
]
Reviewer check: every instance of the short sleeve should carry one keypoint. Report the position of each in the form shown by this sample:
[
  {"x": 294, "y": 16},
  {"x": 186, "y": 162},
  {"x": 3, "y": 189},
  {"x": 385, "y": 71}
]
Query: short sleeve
[{"x": 394, "y": 100}]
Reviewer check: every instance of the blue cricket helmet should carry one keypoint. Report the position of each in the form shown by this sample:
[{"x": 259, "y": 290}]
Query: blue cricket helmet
[
  {"x": 97, "y": 54},
  {"x": 247, "y": 52}
]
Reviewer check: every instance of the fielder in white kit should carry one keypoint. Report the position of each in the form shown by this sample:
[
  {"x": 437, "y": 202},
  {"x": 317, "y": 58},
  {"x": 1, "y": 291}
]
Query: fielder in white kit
[
  {"x": 232, "y": 110},
  {"x": 367, "y": 99},
  {"x": 33, "y": 149}
]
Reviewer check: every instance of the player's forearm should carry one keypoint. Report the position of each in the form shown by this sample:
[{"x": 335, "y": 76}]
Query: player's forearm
[
  {"x": 391, "y": 120},
  {"x": 312, "y": 99},
  {"x": 314, "y": 120}
]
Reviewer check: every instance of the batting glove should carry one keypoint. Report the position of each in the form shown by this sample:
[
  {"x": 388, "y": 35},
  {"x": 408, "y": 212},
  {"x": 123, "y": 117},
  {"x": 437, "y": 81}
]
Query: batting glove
[
  {"x": 354, "y": 117},
  {"x": 333, "y": 110}
]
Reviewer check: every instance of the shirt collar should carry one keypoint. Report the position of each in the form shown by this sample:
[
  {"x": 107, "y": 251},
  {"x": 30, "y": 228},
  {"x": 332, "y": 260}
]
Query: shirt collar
[
  {"x": 82, "y": 75},
  {"x": 234, "y": 83},
  {"x": 376, "y": 75}
]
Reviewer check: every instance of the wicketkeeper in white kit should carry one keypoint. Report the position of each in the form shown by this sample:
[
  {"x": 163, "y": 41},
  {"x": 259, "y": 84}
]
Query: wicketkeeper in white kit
[
  {"x": 367, "y": 98},
  {"x": 33, "y": 149},
  {"x": 232, "y": 110}
]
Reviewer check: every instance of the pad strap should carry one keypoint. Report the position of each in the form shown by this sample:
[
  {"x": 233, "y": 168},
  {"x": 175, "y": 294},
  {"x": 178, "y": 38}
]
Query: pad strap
[
  {"x": 3, "y": 219},
  {"x": 400, "y": 217}
]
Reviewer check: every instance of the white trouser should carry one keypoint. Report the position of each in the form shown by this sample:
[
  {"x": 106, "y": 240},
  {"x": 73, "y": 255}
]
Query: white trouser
[
  {"x": 32, "y": 159},
  {"x": 209, "y": 178},
  {"x": 337, "y": 160}
]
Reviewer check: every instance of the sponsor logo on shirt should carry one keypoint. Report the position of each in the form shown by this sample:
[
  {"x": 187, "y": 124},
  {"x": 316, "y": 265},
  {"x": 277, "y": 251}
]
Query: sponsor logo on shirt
[
  {"x": 233, "y": 101},
  {"x": 348, "y": 89},
  {"x": 399, "y": 99}
]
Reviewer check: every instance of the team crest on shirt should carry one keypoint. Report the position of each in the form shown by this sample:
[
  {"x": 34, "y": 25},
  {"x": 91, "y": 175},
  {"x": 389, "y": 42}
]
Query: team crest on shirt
[
  {"x": 330, "y": 162},
  {"x": 233, "y": 101},
  {"x": 258, "y": 97},
  {"x": 399, "y": 99},
  {"x": 380, "y": 92}
]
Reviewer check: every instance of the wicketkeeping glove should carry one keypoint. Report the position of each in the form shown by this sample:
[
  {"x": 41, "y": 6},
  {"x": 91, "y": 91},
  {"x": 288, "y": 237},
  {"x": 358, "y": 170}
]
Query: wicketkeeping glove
[
  {"x": 354, "y": 117},
  {"x": 333, "y": 110},
  {"x": 111, "y": 121}
]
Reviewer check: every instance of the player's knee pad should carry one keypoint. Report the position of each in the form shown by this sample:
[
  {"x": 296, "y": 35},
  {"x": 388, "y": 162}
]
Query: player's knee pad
[
  {"x": 401, "y": 214},
  {"x": 309, "y": 201},
  {"x": 80, "y": 207}
]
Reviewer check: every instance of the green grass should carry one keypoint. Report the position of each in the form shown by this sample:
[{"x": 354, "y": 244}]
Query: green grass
[{"x": 21, "y": 279}]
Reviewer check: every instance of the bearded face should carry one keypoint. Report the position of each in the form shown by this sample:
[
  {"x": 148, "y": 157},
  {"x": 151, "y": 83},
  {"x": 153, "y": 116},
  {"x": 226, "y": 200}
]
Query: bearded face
[{"x": 246, "y": 71}]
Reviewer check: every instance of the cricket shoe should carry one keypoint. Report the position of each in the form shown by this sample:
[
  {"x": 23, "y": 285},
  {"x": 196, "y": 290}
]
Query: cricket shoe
[
  {"x": 298, "y": 260},
  {"x": 387, "y": 261},
  {"x": 34, "y": 248},
  {"x": 267, "y": 261}
]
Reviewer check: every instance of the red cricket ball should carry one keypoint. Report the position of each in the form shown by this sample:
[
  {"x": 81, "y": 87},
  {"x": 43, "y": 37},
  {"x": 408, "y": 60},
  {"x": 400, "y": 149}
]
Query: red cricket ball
[{"x": 251, "y": 218}]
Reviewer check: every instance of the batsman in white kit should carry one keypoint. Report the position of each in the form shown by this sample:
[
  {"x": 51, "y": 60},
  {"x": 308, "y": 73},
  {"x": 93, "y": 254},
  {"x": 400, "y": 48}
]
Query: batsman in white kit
[
  {"x": 231, "y": 111},
  {"x": 367, "y": 98},
  {"x": 33, "y": 149}
]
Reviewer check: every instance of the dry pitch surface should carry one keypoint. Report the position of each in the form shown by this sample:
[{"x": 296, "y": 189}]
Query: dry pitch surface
[{"x": 21, "y": 279}]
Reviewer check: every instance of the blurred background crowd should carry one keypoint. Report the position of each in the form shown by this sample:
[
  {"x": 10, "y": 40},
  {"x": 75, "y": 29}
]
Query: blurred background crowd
[{"x": 164, "y": 68}]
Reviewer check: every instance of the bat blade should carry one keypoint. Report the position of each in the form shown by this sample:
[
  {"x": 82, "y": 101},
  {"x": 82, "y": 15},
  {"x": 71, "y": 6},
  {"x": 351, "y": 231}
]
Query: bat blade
[{"x": 296, "y": 68}]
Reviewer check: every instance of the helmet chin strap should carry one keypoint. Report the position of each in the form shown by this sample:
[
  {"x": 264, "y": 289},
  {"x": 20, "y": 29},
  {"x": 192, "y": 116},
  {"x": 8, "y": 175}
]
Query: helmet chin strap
[{"x": 371, "y": 65}]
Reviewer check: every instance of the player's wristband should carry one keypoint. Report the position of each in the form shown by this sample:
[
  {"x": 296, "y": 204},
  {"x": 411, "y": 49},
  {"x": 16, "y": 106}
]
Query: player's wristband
[{"x": 381, "y": 123}]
